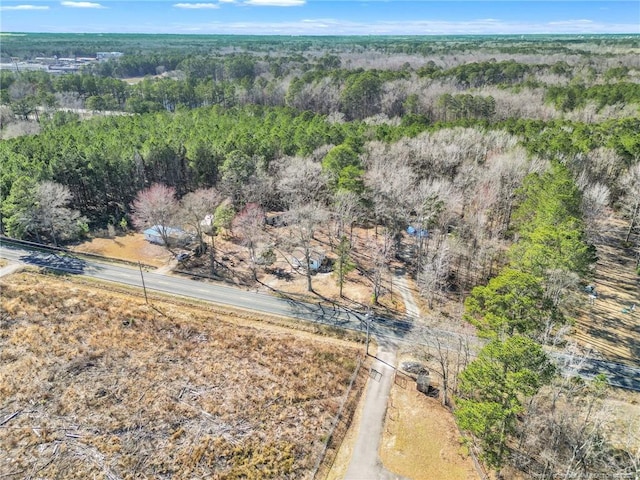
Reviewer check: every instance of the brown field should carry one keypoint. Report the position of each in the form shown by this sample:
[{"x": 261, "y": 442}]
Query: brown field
[
  {"x": 97, "y": 384},
  {"x": 132, "y": 247},
  {"x": 421, "y": 440}
]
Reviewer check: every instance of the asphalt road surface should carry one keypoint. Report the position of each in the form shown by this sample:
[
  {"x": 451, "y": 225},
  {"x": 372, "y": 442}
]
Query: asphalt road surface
[
  {"x": 619, "y": 375},
  {"x": 398, "y": 330}
]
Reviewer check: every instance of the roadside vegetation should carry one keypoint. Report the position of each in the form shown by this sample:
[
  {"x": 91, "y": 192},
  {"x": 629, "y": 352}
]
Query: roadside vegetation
[{"x": 495, "y": 173}]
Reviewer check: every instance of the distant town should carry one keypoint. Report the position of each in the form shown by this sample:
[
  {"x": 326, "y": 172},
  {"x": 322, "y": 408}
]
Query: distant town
[{"x": 57, "y": 65}]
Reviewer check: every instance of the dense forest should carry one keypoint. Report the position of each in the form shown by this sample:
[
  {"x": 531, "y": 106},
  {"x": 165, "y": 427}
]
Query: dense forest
[{"x": 512, "y": 153}]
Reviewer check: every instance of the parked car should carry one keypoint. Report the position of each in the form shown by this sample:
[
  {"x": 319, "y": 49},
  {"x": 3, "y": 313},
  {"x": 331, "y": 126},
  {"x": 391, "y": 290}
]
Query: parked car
[{"x": 181, "y": 257}]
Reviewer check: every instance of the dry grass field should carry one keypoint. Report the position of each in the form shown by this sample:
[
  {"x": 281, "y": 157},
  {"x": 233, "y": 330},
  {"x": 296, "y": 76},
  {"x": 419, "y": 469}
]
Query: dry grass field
[
  {"x": 609, "y": 326},
  {"x": 97, "y": 384},
  {"x": 421, "y": 440},
  {"x": 132, "y": 247}
]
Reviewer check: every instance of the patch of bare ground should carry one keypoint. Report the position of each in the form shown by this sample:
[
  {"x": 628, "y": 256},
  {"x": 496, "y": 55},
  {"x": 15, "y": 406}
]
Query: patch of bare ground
[
  {"x": 358, "y": 286},
  {"x": 421, "y": 440},
  {"x": 98, "y": 384},
  {"x": 131, "y": 247},
  {"x": 609, "y": 325}
]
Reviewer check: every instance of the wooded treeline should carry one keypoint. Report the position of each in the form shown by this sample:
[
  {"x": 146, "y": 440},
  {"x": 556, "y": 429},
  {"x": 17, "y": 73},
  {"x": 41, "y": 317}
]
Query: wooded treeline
[
  {"x": 434, "y": 79},
  {"x": 505, "y": 158}
]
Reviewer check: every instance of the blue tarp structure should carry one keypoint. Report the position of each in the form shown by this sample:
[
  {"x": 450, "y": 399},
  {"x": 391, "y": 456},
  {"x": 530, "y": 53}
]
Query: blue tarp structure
[{"x": 420, "y": 233}]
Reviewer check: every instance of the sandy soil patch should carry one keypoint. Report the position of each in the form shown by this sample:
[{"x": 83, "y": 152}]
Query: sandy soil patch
[
  {"x": 421, "y": 440},
  {"x": 132, "y": 247}
]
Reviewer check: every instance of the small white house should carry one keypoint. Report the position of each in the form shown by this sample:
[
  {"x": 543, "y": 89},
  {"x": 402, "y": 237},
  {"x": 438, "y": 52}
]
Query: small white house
[
  {"x": 158, "y": 233},
  {"x": 206, "y": 225},
  {"x": 315, "y": 259}
]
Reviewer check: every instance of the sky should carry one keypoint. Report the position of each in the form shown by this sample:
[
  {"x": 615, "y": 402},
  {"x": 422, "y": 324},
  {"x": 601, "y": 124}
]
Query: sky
[{"x": 322, "y": 17}]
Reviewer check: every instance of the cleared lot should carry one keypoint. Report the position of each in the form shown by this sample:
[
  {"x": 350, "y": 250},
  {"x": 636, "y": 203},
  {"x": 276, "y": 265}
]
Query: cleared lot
[{"x": 98, "y": 384}]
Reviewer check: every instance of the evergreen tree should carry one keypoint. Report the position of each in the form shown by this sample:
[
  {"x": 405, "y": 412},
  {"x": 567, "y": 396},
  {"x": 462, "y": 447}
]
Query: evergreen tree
[
  {"x": 343, "y": 264},
  {"x": 493, "y": 389}
]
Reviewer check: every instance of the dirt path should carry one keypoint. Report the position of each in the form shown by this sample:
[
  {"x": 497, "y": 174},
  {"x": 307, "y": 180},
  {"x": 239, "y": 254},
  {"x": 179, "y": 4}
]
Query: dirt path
[
  {"x": 411, "y": 308},
  {"x": 11, "y": 268}
]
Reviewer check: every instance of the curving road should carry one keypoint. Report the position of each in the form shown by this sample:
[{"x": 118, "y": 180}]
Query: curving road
[{"x": 619, "y": 375}]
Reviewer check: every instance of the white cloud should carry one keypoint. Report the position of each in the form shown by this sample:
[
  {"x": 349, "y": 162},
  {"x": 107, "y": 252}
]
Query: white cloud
[
  {"x": 328, "y": 26},
  {"x": 572, "y": 22},
  {"x": 81, "y": 5},
  {"x": 276, "y": 3},
  {"x": 25, "y": 7},
  {"x": 196, "y": 6}
]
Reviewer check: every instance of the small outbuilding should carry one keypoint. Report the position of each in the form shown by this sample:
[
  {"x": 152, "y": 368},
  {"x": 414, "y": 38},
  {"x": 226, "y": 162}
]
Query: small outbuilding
[
  {"x": 174, "y": 236},
  {"x": 417, "y": 232},
  {"x": 316, "y": 258}
]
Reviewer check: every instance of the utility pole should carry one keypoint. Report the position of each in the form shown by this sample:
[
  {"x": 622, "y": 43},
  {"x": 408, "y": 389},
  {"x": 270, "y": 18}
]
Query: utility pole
[
  {"x": 367, "y": 320},
  {"x": 143, "y": 285}
]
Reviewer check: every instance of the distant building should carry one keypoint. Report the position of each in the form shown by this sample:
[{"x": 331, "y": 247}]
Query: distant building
[
  {"x": 65, "y": 68},
  {"x": 46, "y": 60},
  {"x": 101, "y": 56},
  {"x": 22, "y": 66}
]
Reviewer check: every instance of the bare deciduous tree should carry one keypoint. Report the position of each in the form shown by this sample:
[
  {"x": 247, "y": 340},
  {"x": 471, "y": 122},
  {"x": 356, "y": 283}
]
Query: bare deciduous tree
[
  {"x": 302, "y": 181},
  {"x": 48, "y": 213},
  {"x": 425, "y": 205},
  {"x": 249, "y": 223},
  {"x": 432, "y": 279},
  {"x": 346, "y": 209},
  {"x": 304, "y": 221},
  {"x": 193, "y": 209},
  {"x": 630, "y": 185},
  {"x": 562, "y": 433},
  {"x": 388, "y": 181},
  {"x": 595, "y": 200},
  {"x": 446, "y": 360},
  {"x": 156, "y": 207},
  {"x": 381, "y": 251},
  {"x": 503, "y": 176}
]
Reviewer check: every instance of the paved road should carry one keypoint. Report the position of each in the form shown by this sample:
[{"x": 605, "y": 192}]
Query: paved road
[
  {"x": 365, "y": 463},
  {"x": 619, "y": 375},
  {"x": 397, "y": 330}
]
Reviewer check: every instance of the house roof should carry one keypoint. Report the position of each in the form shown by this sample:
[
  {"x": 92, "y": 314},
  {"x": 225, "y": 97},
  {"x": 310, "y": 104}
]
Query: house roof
[{"x": 156, "y": 230}]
